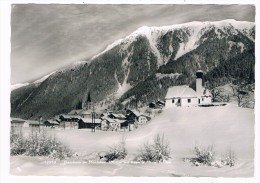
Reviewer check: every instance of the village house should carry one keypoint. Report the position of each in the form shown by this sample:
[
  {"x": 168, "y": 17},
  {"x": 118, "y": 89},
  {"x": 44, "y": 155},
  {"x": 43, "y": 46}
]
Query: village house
[
  {"x": 182, "y": 96},
  {"x": 116, "y": 116},
  {"x": 134, "y": 116},
  {"x": 25, "y": 123},
  {"x": 34, "y": 124},
  {"x": 69, "y": 122},
  {"x": 19, "y": 123},
  {"x": 51, "y": 123},
  {"x": 142, "y": 119},
  {"x": 113, "y": 124},
  {"x": 89, "y": 123}
]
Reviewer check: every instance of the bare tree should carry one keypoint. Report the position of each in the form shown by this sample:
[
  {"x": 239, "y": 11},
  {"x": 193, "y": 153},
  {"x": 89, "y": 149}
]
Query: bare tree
[
  {"x": 239, "y": 92},
  {"x": 216, "y": 94}
]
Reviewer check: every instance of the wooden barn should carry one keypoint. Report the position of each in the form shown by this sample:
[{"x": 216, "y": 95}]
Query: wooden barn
[
  {"x": 51, "y": 123},
  {"x": 87, "y": 123},
  {"x": 69, "y": 121}
]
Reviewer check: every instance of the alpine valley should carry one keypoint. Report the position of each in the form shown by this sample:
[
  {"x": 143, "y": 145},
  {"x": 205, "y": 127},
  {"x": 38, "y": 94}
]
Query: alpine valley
[{"x": 140, "y": 68}]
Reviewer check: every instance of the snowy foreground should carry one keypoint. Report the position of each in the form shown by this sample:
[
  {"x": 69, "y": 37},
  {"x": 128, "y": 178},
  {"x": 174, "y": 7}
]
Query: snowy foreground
[{"x": 223, "y": 127}]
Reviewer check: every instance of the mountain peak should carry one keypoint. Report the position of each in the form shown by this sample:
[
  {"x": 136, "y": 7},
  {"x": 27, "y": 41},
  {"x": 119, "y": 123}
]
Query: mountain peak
[{"x": 153, "y": 32}]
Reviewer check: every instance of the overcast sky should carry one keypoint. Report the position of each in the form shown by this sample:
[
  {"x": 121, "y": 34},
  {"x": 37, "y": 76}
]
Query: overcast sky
[{"x": 45, "y": 38}]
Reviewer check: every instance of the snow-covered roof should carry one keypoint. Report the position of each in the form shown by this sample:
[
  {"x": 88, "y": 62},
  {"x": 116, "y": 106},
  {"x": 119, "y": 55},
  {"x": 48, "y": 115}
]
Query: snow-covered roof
[
  {"x": 75, "y": 111},
  {"x": 66, "y": 116},
  {"x": 52, "y": 122},
  {"x": 119, "y": 121},
  {"x": 142, "y": 115},
  {"x": 74, "y": 116},
  {"x": 118, "y": 115},
  {"x": 34, "y": 122},
  {"x": 84, "y": 112},
  {"x": 17, "y": 120},
  {"x": 110, "y": 120},
  {"x": 137, "y": 113},
  {"x": 160, "y": 102},
  {"x": 89, "y": 120},
  {"x": 180, "y": 92},
  {"x": 70, "y": 116}
]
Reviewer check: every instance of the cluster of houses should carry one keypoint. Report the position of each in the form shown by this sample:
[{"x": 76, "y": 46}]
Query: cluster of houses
[
  {"x": 86, "y": 118},
  {"x": 107, "y": 121}
]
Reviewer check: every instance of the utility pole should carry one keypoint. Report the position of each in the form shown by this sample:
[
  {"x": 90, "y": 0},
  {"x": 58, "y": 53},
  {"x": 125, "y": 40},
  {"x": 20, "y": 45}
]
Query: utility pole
[
  {"x": 40, "y": 119},
  {"x": 93, "y": 119},
  {"x": 92, "y": 122}
]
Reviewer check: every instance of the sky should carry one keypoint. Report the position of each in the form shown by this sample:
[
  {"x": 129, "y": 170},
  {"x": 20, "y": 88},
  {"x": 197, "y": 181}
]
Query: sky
[{"x": 48, "y": 37}]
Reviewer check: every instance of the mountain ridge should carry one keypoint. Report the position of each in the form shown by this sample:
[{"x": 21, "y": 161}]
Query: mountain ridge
[{"x": 116, "y": 72}]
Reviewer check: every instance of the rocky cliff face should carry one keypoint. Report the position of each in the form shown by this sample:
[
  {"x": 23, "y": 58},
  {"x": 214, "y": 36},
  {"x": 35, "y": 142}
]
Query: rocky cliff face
[{"x": 139, "y": 67}]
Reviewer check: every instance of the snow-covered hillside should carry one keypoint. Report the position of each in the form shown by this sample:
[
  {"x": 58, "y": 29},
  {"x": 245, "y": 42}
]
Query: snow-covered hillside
[
  {"x": 37, "y": 82},
  {"x": 18, "y": 85},
  {"x": 223, "y": 127}
]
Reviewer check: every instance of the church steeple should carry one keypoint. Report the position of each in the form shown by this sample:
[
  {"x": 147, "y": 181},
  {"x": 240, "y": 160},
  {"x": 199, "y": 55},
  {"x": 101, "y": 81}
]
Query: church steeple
[{"x": 89, "y": 102}]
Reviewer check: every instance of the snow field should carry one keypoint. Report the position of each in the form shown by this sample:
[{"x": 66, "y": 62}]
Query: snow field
[{"x": 221, "y": 126}]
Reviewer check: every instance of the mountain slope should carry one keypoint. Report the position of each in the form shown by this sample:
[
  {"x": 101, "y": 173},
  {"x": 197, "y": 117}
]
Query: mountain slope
[{"x": 145, "y": 63}]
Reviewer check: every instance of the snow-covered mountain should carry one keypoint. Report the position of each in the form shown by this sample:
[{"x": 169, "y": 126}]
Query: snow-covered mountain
[
  {"x": 37, "y": 82},
  {"x": 193, "y": 30},
  {"x": 18, "y": 85},
  {"x": 138, "y": 66}
]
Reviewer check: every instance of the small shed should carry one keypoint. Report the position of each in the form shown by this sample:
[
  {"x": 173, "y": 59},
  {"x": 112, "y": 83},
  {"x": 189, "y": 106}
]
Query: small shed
[{"x": 152, "y": 105}]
